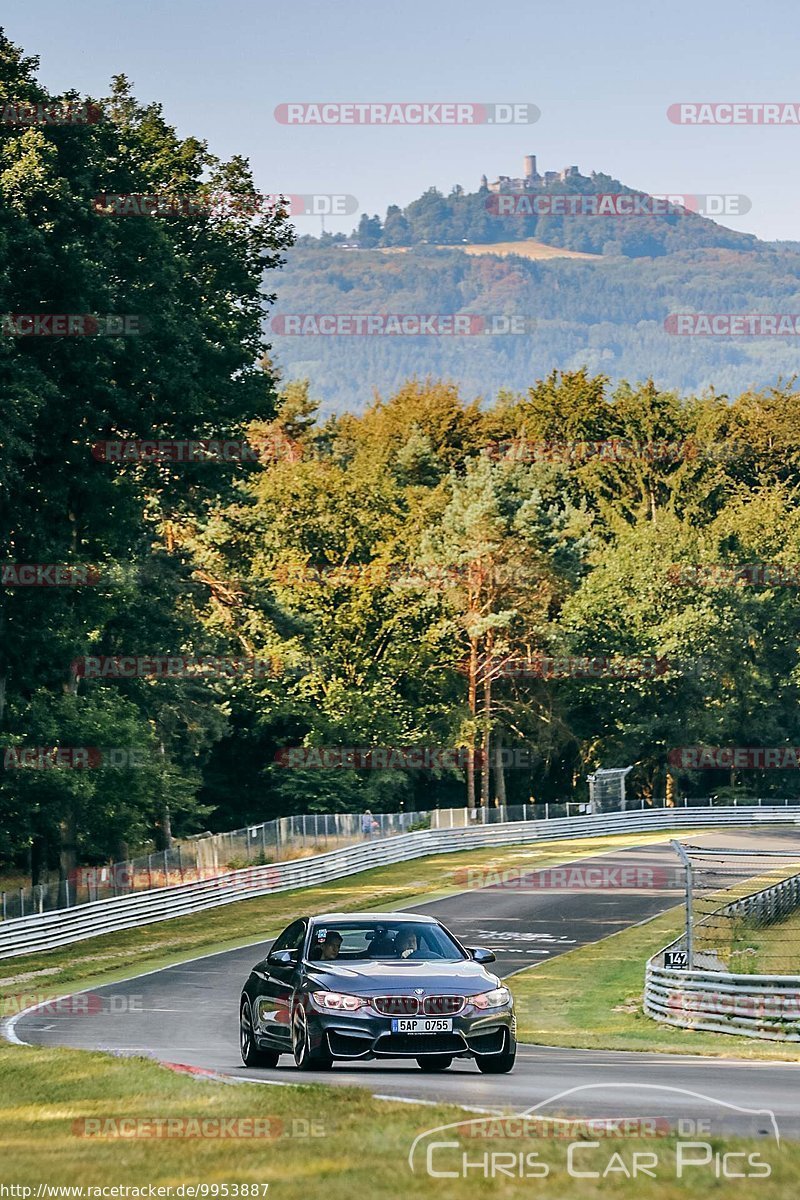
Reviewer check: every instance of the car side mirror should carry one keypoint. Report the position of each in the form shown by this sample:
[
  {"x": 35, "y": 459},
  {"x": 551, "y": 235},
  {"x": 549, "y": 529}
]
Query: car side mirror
[
  {"x": 481, "y": 954},
  {"x": 283, "y": 958}
]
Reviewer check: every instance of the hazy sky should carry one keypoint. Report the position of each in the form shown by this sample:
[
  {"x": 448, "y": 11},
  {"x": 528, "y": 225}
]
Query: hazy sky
[{"x": 602, "y": 75}]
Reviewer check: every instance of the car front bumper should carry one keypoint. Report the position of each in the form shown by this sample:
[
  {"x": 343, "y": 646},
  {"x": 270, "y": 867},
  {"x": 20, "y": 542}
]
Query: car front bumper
[{"x": 364, "y": 1035}]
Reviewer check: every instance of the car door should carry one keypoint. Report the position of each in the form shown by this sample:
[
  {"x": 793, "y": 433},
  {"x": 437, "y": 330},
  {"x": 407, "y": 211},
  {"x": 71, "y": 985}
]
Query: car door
[{"x": 275, "y": 993}]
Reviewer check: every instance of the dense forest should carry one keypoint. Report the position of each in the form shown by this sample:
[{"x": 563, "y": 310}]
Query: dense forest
[
  {"x": 415, "y": 574},
  {"x": 606, "y": 315}
]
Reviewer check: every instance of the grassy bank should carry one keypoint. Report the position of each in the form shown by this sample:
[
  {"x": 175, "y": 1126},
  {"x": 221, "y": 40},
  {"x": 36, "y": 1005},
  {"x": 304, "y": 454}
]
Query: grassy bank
[
  {"x": 592, "y": 997},
  {"x": 766, "y": 949}
]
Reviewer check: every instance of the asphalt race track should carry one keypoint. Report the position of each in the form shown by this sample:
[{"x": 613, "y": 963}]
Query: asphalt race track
[{"x": 188, "y": 1014}]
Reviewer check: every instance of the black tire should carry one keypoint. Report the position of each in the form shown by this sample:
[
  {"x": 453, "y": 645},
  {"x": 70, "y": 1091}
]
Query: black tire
[
  {"x": 307, "y": 1059},
  {"x": 496, "y": 1064},
  {"x": 435, "y": 1062},
  {"x": 251, "y": 1055}
]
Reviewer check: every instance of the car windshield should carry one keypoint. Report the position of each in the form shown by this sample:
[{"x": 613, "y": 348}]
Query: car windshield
[{"x": 398, "y": 941}]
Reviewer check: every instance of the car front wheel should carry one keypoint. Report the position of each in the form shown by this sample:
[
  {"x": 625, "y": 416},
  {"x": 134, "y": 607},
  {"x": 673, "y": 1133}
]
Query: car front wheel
[
  {"x": 251, "y": 1055},
  {"x": 305, "y": 1057},
  {"x": 496, "y": 1064}
]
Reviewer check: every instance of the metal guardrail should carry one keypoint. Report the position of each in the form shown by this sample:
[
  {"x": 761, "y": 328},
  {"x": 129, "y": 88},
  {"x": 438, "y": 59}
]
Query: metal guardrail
[
  {"x": 208, "y": 855},
  {"x": 38, "y": 933},
  {"x": 757, "y": 1006},
  {"x": 204, "y": 856}
]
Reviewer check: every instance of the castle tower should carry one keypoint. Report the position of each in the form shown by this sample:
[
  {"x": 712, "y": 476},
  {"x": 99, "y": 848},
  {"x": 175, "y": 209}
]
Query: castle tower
[{"x": 529, "y": 170}]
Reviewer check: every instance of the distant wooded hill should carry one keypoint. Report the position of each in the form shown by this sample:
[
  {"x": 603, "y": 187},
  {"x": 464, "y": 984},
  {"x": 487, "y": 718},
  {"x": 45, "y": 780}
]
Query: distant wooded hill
[{"x": 606, "y": 314}]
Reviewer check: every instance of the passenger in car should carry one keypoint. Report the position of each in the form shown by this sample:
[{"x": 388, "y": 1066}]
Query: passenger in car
[{"x": 328, "y": 949}]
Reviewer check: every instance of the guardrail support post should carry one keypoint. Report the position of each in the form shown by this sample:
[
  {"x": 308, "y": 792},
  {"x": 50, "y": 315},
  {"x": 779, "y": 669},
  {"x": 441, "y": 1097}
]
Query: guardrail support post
[{"x": 687, "y": 863}]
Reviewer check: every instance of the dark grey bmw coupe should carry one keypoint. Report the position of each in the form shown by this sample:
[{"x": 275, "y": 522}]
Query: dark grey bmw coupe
[{"x": 375, "y": 985}]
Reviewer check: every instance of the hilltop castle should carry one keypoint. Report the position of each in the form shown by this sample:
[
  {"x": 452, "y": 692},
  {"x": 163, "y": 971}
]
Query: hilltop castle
[{"x": 531, "y": 180}]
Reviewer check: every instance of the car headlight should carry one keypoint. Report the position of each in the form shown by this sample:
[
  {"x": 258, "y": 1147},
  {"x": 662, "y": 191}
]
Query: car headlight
[
  {"x": 338, "y": 1001},
  {"x": 494, "y": 999}
]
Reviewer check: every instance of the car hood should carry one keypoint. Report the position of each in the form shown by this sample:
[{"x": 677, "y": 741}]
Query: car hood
[{"x": 374, "y": 977}]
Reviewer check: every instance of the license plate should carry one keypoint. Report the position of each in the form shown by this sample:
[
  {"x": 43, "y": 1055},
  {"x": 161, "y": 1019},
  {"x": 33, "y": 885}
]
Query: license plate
[{"x": 422, "y": 1025}]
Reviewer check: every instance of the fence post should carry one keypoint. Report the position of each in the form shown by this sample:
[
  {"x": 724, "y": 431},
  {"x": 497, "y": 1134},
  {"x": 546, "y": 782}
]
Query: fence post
[
  {"x": 21, "y": 902},
  {"x": 4, "y": 906},
  {"x": 687, "y": 862}
]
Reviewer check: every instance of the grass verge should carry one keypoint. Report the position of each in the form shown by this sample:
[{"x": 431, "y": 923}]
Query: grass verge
[
  {"x": 592, "y": 997},
  {"x": 357, "y": 1146}
]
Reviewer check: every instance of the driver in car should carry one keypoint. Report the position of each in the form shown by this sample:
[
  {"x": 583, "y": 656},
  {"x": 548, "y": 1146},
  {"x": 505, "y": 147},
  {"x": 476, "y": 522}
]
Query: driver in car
[{"x": 405, "y": 945}]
